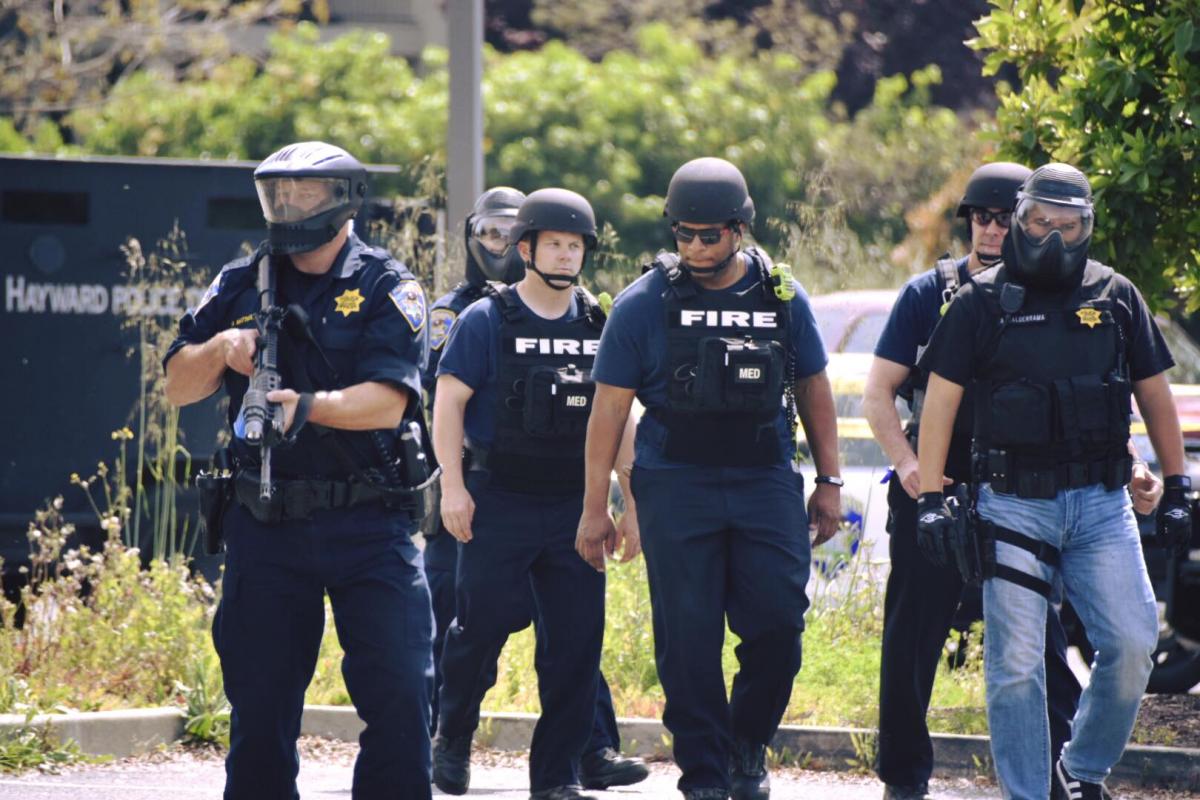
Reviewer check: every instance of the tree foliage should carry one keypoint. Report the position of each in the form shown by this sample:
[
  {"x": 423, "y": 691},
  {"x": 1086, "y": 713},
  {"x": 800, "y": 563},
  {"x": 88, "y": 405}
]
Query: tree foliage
[
  {"x": 614, "y": 130},
  {"x": 1112, "y": 87}
]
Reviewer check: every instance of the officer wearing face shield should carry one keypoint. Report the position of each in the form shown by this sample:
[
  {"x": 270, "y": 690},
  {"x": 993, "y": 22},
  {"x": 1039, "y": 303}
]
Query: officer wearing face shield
[
  {"x": 490, "y": 257},
  {"x": 337, "y": 519},
  {"x": 1054, "y": 344},
  {"x": 721, "y": 348},
  {"x": 514, "y": 391}
]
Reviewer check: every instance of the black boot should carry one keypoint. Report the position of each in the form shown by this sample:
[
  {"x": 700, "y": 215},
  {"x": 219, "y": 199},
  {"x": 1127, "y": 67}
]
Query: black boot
[
  {"x": 918, "y": 792},
  {"x": 606, "y": 767},
  {"x": 706, "y": 794},
  {"x": 748, "y": 771},
  {"x": 452, "y": 763}
]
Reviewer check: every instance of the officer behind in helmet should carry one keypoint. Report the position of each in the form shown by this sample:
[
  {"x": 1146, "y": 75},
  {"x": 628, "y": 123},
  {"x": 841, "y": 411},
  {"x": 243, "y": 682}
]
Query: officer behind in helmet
[
  {"x": 347, "y": 389},
  {"x": 714, "y": 345},
  {"x": 515, "y": 390},
  {"x": 921, "y": 596},
  {"x": 1055, "y": 344},
  {"x": 490, "y": 257}
]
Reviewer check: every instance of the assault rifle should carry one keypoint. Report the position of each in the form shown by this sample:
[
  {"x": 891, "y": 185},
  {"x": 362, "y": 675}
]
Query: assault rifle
[{"x": 264, "y": 419}]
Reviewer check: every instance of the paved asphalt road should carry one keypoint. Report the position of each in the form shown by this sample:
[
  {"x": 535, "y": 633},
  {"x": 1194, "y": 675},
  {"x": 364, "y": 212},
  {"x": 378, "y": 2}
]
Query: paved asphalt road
[{"x": 326, "y": 775}]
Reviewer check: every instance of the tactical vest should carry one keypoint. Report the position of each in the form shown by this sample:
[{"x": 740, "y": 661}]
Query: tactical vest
[
  {"x": 1053, "y": 393},
  {"x": 728, "y": 367},
  {"x": 544, "y": 392}
]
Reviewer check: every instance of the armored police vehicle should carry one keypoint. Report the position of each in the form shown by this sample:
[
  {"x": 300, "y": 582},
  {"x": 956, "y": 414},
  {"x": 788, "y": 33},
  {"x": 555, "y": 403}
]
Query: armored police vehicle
[{"x": 71, "y": 362}]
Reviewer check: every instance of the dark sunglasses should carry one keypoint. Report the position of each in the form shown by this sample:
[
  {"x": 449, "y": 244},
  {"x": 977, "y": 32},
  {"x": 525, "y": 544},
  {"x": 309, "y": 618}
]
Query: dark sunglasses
[
  {"x": 984, "y": 217},
  {"x": 707, "y": 236}
]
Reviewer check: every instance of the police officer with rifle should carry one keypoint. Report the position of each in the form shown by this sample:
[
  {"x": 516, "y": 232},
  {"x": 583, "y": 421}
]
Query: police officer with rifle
[
  {"x": 490, "y": 257},
  {"x": 318, "y": 340},
  {"x": 1053, "y": 345}
]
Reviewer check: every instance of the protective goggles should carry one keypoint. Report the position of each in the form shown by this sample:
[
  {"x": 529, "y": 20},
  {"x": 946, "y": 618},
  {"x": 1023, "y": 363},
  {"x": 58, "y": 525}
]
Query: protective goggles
[
  {"x": 982, "y": 217},
  {"x": 1039, "y": 217},
  {"x": 708, "y": 236},
  {"x": 289, "y": 200},
  {"x": 492, "y": 232}
]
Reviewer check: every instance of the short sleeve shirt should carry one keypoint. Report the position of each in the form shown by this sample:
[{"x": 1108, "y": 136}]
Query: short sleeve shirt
[{"x": 633, "y": 354}]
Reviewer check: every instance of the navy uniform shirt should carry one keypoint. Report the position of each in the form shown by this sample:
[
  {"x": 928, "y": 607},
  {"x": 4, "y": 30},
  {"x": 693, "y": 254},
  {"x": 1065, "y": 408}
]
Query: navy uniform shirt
[
  {"x": 909, "y": 326},
  {"x": 633, "y": 354},
  {"x": 472, "y": 354},
  {"x": 367, "y": 312},
  {"x": 968, "y": 325},
  {"x": 442, "y": 316}
]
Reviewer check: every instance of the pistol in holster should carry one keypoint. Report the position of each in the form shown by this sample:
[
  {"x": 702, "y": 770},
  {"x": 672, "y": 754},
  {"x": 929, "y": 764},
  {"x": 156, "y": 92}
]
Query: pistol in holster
[
  {"x": 216, "y": 493},
  {"x": 971, "y": 552}
]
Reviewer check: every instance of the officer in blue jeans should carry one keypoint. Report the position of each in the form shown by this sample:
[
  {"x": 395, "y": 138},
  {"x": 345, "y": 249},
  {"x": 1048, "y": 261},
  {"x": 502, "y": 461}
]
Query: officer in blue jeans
[
  {"x": 1055, "y": 344},
  {"x": 490, "y": 257},
  {"x": 723, "y": 352},
  {"x": 514, "y": 391},
  {"x": 353, "y": 342}
]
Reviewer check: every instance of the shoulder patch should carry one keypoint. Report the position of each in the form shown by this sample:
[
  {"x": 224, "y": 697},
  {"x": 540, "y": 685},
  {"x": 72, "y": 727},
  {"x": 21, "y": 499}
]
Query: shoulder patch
[
  {"x": 209, "y": 293},
  {"x": 410, "y": 302},
  {"x": 441, "y": 320}
]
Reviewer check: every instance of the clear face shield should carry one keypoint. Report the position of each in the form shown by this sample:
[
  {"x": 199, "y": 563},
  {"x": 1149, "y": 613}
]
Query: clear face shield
[
  {"x": 290, "y": 200},
  {"x": 492, "y": 233},
  {"x": 1039, "y": 218}
]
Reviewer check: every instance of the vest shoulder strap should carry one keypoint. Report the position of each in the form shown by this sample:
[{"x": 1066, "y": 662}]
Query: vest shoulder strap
[
  {"x": 592, "y": 311},
  {"x": 510, "y": 306},
  {"x": 947, "y": 270}
]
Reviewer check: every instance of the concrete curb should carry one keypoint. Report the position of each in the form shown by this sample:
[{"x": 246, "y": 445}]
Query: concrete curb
[
  {"x": 112, "y": 733},
  {"x": 124, "y": 733}
]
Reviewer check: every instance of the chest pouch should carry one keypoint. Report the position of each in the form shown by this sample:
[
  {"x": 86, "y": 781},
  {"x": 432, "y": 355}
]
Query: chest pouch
[
  {"x": 1018, "y": 413},
  {"x": 558, "y": 401},
  {"x": 739, "y": 375}
]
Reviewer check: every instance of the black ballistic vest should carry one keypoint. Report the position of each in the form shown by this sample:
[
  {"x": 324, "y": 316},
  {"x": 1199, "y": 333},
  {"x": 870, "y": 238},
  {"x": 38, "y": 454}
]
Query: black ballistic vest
[
  {"x": 728, "y": 366},
  {"x": 544, "y": 392},
  {"x": 1053, "y": 388}
]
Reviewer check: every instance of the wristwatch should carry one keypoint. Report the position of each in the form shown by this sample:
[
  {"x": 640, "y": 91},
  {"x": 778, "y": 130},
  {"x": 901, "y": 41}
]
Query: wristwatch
[{"x": 832, "y": 480}]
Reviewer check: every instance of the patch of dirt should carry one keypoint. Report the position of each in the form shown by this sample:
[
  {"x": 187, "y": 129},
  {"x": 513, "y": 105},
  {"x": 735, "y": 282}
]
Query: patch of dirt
[{"x": 1170, "y": 720}]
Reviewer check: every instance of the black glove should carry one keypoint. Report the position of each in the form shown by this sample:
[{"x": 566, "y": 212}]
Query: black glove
[
  {"x": 935, "y": 527},
  {"x": 1175, "y": 513}
]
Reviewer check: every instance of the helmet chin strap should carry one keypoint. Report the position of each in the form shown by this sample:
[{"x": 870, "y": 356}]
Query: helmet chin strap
[
  {"x": 559, "y": 283},
  {"x": 708, "y": 272},
  {"x": 988, "y": 260}
]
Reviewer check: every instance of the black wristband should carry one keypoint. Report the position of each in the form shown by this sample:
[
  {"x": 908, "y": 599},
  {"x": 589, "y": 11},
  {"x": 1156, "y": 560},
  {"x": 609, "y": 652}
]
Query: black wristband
[
  {"x": 832, "y": 480},
  {"x": 1177, "y": 482},
  {"x": 931, "y": 498}
]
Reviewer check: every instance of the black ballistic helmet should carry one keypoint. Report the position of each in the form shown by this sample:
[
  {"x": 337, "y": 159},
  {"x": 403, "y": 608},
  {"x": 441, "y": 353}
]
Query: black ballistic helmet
[
  {"x": 494, "y": 214},
  {"x": 308, "y": 191},
  {"x": 993, "y": 186},
  {"x": 710, "y": 191},
  {"x": 1047, "y": 244},
  {"x": 554, "y": 210}
]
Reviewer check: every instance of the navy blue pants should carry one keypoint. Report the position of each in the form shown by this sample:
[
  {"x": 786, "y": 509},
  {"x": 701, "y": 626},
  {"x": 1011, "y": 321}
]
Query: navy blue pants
[
  {"x": 441, "y": 565},
  {"x": 723, "y": 544},
  {"x": 919, "y": 606},
  {"x": 267, "y": 632},
  {"x": 523, "y": 541}
]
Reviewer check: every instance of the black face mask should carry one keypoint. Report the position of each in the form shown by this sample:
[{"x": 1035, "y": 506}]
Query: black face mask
[{"x": 1051, "y": 265}]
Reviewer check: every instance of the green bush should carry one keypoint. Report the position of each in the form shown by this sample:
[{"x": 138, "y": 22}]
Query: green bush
[{"x": 614, "y": 130}]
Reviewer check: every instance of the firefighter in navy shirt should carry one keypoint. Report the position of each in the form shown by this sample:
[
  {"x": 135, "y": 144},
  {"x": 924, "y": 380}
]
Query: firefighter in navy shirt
[
  {"x": 722, "y": 351},
  {"x": 353, "y": 343},
  {"x": 514, "y": 392},
  {"x": 490, "y": 257}
]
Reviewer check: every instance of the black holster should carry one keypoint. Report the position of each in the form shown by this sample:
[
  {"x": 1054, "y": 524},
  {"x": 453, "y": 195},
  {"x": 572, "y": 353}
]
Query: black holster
[
  {"x": 215, "y": 486},
  {"x": 974, "y": 552}
]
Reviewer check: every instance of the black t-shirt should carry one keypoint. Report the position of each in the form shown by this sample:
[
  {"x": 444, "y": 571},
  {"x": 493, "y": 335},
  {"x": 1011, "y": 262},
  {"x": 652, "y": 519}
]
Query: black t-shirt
[{"x": 960, "y": 338}]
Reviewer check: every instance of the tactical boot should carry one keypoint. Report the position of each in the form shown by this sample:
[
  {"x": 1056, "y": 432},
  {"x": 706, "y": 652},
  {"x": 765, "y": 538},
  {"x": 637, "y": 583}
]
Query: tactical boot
[
  {"x": 452, "y": 763},
  {"x": 1075, "y": 789},
  {"x": 918, "y": 792},
  {"x": 706, "y": 794},
  {"x": 748, "y": 771},
  {"x": 561, "y": 793},
  {"x": 606, "y": 767}
]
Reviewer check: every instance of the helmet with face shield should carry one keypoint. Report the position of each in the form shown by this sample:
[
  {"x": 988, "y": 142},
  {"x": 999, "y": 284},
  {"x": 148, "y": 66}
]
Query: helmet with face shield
[
  {"x": 1053, "y": 222},
  {"x": 307, "y": 192},
  {"x": 490, "y": 257}
]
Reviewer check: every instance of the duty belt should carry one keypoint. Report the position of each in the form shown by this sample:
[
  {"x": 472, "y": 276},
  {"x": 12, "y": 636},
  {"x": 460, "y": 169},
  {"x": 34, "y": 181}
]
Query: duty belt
[
  {"x": 1009, "y": 473},
  {"x": 298, "y": 499}
]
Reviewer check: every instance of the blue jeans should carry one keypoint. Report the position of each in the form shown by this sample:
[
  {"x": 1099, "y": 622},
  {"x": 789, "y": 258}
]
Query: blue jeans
[{"x": 1105, "y": 579}]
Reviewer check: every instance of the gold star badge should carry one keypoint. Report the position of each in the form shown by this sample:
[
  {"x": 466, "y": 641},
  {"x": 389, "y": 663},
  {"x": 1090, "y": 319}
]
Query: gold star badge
[
  {"x": 348, "y": 302},
  {"x": 1088, "y": 316}
]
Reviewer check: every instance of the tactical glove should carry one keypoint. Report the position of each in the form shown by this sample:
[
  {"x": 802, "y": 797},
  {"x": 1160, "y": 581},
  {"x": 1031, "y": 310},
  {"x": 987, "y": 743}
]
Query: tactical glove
[
  {"x": 1175, "y": 513},
  {"x": 935, "y": 528}
]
